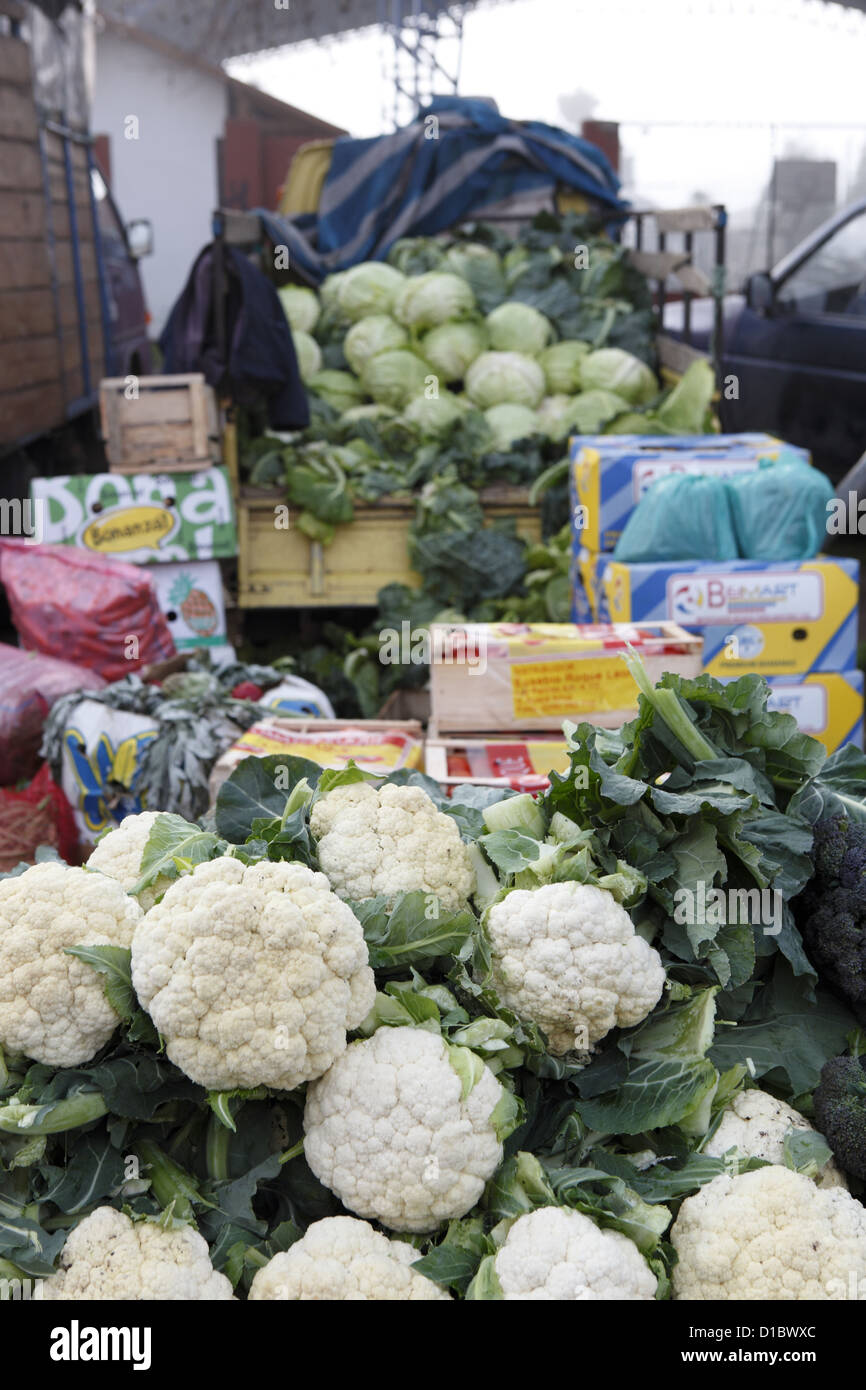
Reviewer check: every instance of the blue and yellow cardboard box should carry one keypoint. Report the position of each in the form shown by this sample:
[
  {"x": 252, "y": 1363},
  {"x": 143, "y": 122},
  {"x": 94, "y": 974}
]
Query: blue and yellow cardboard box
[
  {"x": 775, "y": 619},
  {"x": 610, "y": 473}
]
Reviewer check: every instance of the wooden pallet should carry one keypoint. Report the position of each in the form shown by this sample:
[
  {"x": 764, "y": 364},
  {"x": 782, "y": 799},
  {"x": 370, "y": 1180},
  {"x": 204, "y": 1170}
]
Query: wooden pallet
[{"x": 169, "y": 424}]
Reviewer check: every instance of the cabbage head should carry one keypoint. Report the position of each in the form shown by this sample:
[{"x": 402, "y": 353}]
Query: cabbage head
[
  {"x": 339, "y": 389},
  {"x": 463, "y": 255},
  {"x": 614, "y": 369},
  {"x": 395, "y": 377},
  {"x": 497, "y": 377},
  {"x": 330, "y": 288},
  {"x": 554, "y": 416},
  {"x": 376, "y": 333},
  {"x": 561, "y": 365},
  {"x": 433, "y": 298},
  {"x": 592, "y": 410},
  {"x": 453, "y": 347},
  {"x": 308, "y": 353},
  {"x": 368, "y": 288},
  {"x": 300, "y": 306},
  {"x": 515, "y": 327},
  {"x": 434, "y": 416},
  {"x": 510, "y": 423}
]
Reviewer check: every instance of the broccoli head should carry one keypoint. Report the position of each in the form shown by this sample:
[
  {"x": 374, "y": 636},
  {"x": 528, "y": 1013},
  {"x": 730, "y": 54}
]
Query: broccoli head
[
  {"x": 840, "y": 1111},
  {"x": 831, "y": 911}
]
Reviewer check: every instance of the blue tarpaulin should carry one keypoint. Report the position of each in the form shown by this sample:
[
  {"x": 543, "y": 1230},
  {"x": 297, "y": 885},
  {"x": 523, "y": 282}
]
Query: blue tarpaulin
[{"x": 459, "y": 156}]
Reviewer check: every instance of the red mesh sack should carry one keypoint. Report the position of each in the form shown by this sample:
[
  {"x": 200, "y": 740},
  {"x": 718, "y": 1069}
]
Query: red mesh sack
[
  {"x": 85, "y": 608},
  {"x": 29, "y": 685},
  {"x": 38, "y": 815}
]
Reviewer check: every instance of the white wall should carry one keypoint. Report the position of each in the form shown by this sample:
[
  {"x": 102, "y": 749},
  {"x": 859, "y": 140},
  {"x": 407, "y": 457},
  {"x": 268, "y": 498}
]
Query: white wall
[{"x": 169, "y": 173}]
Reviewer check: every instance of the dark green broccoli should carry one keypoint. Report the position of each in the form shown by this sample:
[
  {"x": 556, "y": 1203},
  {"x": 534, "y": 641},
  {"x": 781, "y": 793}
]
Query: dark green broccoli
[
  {"x": 831, "y": 911},
  {"x": 840, "y": 1111}
]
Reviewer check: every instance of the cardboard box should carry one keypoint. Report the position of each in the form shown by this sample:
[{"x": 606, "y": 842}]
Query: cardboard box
[
  {"x": 523, "y": 676},
  {"x": 376, "y": 745},
  {"x": 610, "y": 473},
  {"x": 768, "y": 618},
  {"x": 522, "y": 763},
  {"x": 587, "y": 568},
  {"x": 828, "y": 705},
  {"x": 147, "y": 519},
  {"x": 191, "y": 597}
]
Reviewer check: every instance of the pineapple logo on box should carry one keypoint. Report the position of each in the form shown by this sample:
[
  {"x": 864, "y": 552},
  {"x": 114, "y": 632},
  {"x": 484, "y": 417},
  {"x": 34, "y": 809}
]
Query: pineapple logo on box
[
  {"x": 196, "y": 607},
  {"x": 707, "y": 599}
]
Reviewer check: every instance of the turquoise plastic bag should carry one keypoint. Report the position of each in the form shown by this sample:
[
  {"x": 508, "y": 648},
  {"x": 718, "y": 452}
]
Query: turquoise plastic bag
[
  {"x": 681, "y": 517},
  {"x": 780, "y": 510}
]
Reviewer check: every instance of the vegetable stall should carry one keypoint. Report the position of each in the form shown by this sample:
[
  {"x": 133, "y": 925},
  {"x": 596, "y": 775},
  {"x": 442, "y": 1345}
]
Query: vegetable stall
[{"x": 690, "y": 1126}]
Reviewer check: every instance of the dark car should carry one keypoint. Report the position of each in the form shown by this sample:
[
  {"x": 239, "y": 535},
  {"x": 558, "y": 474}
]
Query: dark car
[
  {"x": 122, "y": 247},
  {"x": 795, "y": 342}
]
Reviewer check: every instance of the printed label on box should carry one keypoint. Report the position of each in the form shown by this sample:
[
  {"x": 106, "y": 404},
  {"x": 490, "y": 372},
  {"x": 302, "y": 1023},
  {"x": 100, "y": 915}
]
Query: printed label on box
[
  {"x": 710, "y": 599},
  {"x": 807, "y": 704},
  {"x": 560, "y": 688},
  {"x": 648, "y": 471},
  {"x": 146, "y": 518}
]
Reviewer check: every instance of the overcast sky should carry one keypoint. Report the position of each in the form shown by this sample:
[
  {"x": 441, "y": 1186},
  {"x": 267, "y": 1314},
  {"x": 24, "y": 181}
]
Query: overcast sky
[{"x": 750, "y": 63}]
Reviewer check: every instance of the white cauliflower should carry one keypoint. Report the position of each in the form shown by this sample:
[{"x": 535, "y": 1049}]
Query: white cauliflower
[
  {"x": 768, "y": 1236},
  {"x": 341, "y": 1259},
  {"x": 566, "y": 956},
  {"x": 118, "y": 855},
  {"x": 53, "y": 1006},
  {"x": 383, "y": 841},
  {"x": 756, "y": 1123},
  {"x": 389, "y": 1130},
  {"x": 555, "y": 1254},
  {"x": 252, "y": 973},
  {"x": 108, "y": 1256}
]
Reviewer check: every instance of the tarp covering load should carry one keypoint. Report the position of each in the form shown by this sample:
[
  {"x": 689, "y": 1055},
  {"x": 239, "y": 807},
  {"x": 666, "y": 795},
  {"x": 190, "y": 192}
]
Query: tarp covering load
[{"x": 458, "y": 158}]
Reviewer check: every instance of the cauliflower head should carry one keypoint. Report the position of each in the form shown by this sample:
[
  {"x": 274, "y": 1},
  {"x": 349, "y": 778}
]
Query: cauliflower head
[
  {"x": 382, "y": 841},
  {"x": 770, "y": 1235},
  {"x": 390, "y": 1132},
  {"x": 52, "y": 1006},
  {"x": 252, "y": 973},
  {"x": 108, "y": 1256},
  {"x": 119, "y": 853},
  {"x": 341, "y": 1259},
  {"x": 555, "y": 1254},
  {"x": 566, "y": 956},
  {"x": 756, "y": 1124}
]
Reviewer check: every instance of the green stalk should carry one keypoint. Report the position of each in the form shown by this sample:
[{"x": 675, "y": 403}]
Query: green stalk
[
  {"x": 169, "y": 1183},
  {"x": 669, "y": 708},
  {"x": 56, "y": 1118},
  {"x": 217, "y": 1149}
]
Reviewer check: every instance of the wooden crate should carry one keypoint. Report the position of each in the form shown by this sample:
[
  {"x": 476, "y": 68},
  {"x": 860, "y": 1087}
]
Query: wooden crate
[
  {"x": 279, "y": 568},
  {"x": 169, "y": 426},
  {"x": 487, "y": 677}
]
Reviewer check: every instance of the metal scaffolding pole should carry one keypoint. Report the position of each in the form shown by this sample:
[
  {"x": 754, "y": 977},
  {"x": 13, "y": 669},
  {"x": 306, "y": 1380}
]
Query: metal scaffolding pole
[{"x": 425, "y": 41}]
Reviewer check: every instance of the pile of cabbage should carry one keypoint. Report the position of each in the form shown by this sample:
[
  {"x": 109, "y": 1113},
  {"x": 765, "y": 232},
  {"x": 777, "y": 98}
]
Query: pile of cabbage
[{"x": 519, "y": 336}]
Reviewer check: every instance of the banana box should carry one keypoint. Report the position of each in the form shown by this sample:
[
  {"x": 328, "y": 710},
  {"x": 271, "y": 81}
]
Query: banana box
[
  {"x": 828, "y": 705},
  {"x": 772, "y": 619},
  {"x": 609, "y": 474}
]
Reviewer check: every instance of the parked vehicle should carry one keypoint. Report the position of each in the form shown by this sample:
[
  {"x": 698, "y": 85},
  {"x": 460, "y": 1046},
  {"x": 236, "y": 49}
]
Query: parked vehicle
[{"x": 795, "y": 342}]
